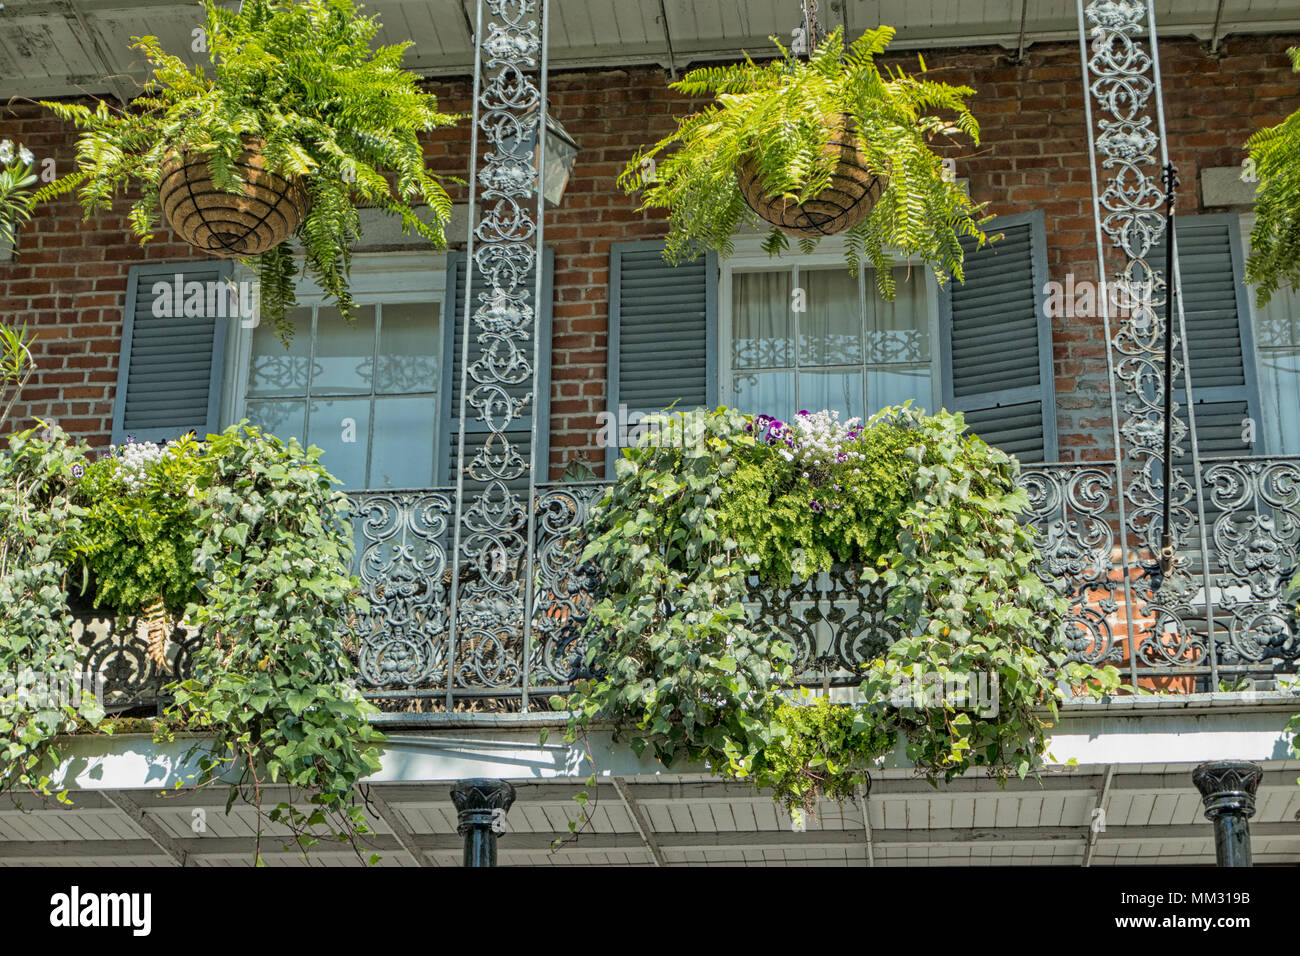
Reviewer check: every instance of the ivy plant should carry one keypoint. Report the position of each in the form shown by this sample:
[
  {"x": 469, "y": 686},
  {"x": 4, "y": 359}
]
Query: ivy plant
[
  {"x": 42, "y": 695},
  {"x": 247, "y": 535},
  {"x": 302, "y": 76},
  {"x": 272, "y": 680},
  {"x": 778, "y": 115},
  {"x": 914, "y": 504}
]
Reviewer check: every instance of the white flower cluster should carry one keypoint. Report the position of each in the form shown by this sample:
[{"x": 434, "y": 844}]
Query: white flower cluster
[
  {"x": 7, "y": 153},
  {"x": 819, "y": 440},
  {"x": 134, "y": 459}
]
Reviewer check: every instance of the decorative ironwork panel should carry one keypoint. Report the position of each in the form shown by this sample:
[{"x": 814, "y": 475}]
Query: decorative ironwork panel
[
  {"x": 1256, "y": 540},
  {"x": 1072, "y": 511},
  {"x": 1168, "y": 618},
  {"x": 402, "y": 562},
  {"x": 493, "y": 547},
  {"x": 117, "y": 653}
]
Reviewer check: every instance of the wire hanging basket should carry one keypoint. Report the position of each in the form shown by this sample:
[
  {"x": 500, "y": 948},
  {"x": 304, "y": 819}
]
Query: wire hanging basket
[
  {"x": 852, "y": 193},
  {"x": 224, "y": 224}
]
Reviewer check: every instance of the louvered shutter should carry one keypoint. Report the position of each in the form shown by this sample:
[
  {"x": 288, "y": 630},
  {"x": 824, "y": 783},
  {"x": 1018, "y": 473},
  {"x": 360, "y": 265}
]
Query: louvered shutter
[
  {"x": 996, "y": 341},
  {"x": 1220, "y": 342},
  {"x": 453, "y": 327},
  {"x": 662, "y": 334},
  {"x": 171, "y": 365}
]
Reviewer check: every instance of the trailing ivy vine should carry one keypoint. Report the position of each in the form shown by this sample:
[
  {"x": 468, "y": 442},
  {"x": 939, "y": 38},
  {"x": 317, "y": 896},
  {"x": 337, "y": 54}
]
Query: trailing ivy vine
[
  {"x": 243, "y": 536},
  {"x": 907, "y": 499},
  {"x": 40, "y": 696}
]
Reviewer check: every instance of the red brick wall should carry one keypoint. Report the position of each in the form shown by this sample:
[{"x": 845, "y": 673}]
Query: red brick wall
[{"x": 69, "y": 282}]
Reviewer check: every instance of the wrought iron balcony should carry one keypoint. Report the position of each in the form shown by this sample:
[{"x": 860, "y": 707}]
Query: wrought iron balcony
[{"x": 1224, "y": 614}]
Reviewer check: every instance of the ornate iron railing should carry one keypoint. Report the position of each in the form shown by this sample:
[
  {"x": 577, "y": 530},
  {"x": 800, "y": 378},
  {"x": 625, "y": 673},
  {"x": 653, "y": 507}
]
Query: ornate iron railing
[{"x": 409, "y": 660}]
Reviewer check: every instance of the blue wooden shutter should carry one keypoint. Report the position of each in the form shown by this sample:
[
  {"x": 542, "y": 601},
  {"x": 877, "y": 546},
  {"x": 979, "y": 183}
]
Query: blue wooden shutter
[
  {"x": 170, "y": 367},
  {"x": 996, "y": 341},
  {"x": 1220, "y": 342},
  {"x": 662, "y": 333},
  {"x": 453, "y": 333}
]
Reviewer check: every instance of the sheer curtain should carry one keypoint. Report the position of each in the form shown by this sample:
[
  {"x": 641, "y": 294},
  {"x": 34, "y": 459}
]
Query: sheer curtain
[
  {"x": 762, "y": 342},
  {"x": 1278, "y": 341},
  {"x": 819, "y": 338},
  {"x": 898, "y": 337}
]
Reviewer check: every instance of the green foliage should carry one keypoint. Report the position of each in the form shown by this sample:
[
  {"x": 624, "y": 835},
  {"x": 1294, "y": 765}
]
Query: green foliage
[
  {"x": 16, "y": 197},
  {"x": 139, "y": 534},
  {"x": 1275, "y": 239},
  {"x": 303, "y": 77},
  {"x": 37, "y": 520},
  {"x": 16, "y": 365},
  {"x": 826, "y": 750},
  {"x": 245, "y": 533},
  {"x": 272, "y": 679},
  {"x": 778, "y": 114},
  {"x": 912, "y": 503}
]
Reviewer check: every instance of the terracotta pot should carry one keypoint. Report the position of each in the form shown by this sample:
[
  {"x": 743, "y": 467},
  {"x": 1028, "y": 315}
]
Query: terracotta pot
[
  {"x": 853, "y": 192},
  {"x": 230, "y": 225}
]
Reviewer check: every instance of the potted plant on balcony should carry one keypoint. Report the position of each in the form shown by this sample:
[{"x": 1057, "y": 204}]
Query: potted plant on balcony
[
  {"x": 812, "y": 148},
  {"x": 297, "y": 124},
  {"x": 905, "y": 502}
]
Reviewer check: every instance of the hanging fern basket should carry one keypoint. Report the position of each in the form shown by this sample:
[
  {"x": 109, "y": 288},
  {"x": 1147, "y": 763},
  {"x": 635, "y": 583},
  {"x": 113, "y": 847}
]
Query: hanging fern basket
[
  {"x": 225, "y": 224},
  {"x": 853, "y": 192}
]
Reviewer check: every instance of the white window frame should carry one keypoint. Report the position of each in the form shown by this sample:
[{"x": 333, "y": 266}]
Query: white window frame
[
  {"x": 389, "y": 278},
  {"x": 748, "y": 256}
]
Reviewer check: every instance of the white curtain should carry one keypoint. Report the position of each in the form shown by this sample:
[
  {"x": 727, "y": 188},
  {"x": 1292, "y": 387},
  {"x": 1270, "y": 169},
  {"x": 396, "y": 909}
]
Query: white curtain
[{"x": 1278, "y": 342}]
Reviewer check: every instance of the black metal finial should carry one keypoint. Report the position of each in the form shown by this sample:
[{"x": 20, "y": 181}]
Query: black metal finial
[
  {"x": 1228, "y": 791},
  {"x": 481, "y": 807}
]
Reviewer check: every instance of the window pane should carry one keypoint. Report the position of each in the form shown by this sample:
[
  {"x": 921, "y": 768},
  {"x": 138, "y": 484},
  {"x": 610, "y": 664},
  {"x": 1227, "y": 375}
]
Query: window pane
[
  {"x": 404, "y": 440},
  {"x": 830, "y": 328},
  {"x": 345, "y": 354},
  {"x": 764, "y": 326},
  {"x": 765, "y": 393},
  {"x": 1279, "y": 386},
  {"x": 895, "y": 386},
  {"x": 284, "y": 420},
  {"x": 1277, "y": 327},
  {"x": 1279, "y": 321},
  {"x": 342, "y": 429},
  {"x": 899, "y": 331},
  {"x": 832, "y": 391},
  {"x": 408, "y": 348},
  {"x": 274, "y": 369}
]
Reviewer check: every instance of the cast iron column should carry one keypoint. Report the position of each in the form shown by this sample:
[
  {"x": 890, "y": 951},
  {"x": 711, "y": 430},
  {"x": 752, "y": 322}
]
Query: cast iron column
[
  {"x": 1228, "y": 791},
  {"x": 481, "y": 806}
]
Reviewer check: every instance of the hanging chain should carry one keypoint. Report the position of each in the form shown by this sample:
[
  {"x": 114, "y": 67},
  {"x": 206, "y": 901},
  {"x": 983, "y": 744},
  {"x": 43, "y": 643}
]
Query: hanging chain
[{"x": 810, "y": 33}]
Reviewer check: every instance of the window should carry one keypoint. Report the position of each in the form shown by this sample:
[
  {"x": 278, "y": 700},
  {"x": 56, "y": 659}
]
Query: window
[
  {"x": 1277, "y": 340},
  {"x": 365, "y": 393},
  {"x": 810, "y": 335},
  {"x": 778, "y": 335}
]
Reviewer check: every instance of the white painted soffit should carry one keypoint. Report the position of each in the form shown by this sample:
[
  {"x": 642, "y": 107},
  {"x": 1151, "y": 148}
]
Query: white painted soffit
[{"x": 56, "y": 48}]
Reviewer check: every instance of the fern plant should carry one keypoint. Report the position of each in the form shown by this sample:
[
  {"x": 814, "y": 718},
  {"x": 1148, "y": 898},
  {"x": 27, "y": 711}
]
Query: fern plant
[
  {"x": 1275, "y": 240},
  {"x": 778, "y": 115},
  {"x": 302, "y": 76}
]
